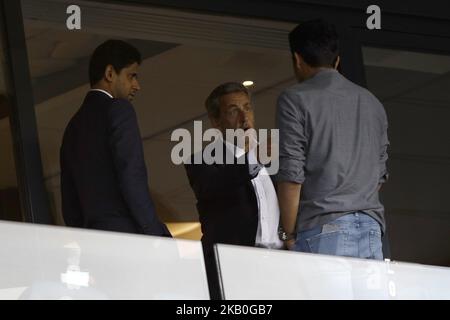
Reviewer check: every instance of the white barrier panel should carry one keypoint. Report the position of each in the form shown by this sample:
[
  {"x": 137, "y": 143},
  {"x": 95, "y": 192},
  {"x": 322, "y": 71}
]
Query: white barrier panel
[
  {"x": 48, "y": 262},
  {"x": 253, "y": 273}
]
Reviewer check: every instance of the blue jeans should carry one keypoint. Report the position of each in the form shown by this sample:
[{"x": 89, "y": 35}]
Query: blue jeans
[{"x": 352, "y": 235}]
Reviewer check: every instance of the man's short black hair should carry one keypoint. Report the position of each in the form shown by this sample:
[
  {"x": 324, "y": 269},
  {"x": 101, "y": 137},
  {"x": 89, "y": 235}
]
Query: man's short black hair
[
  {"x": 316, "y": 41},
  {"x": 117, "y": 53}
]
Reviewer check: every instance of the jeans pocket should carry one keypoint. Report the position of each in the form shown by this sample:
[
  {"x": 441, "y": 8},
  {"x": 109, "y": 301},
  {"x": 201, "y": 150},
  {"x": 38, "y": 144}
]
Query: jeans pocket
[{"x": 331, "y": 243}]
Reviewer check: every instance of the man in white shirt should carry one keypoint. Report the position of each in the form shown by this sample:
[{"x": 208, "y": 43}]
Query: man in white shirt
[
  {"x": 237, "y": 203},
  {"x": 268, "y": 210}
]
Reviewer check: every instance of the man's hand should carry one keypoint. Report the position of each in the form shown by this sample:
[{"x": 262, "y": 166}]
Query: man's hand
[
  {"x": 265, "y": 149},
  {"x": 288, "y": 199},
  {"x": 289, "y": 244},
  {"x": 250, "y": 139}
]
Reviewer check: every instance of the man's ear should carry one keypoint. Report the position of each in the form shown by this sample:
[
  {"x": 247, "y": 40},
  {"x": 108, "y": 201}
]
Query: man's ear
[
  {"x": 215, "y": 122},
  {"x": 109, "y": 73},
  {"x": 298, "y": 60},
  {"x": 338, "y": 60}
]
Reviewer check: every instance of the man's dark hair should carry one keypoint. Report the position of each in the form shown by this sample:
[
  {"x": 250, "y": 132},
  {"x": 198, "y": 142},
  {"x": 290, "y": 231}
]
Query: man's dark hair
[
  {"x": 117, "y": 53},
  {"x": 212, "y": 102},
  {"x": 316, "y": 41}
]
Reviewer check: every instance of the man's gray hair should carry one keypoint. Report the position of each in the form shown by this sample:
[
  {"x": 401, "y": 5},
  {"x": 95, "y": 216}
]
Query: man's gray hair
[{"x": 212, "y": 102}]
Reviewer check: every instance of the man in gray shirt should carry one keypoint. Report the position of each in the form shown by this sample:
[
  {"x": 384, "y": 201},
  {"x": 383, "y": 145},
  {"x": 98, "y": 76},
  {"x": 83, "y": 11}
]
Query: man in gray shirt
[{"x": 333, "y": 142}]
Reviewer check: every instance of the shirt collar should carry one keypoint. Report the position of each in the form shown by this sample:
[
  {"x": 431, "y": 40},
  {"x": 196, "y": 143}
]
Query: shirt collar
[{"x": 105, "y": 92}]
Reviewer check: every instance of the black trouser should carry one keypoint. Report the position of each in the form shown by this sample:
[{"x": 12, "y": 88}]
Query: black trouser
[{"x": 211, "y": 272}]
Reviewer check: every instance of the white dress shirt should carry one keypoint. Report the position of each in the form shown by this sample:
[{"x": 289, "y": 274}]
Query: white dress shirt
[
  {"x": 105, "y": 92},
  {"x": 268, "y": 209}
]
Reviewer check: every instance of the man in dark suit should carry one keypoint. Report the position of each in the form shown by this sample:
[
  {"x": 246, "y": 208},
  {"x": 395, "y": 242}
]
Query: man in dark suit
[
  {"x": 232, "y": 197},
  {"x": 103, "y": 173}
]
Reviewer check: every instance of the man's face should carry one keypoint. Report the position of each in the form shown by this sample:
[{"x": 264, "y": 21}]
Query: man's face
[
  {"x": 125, "y": 83},
  {"x": 236, "y": 112}
]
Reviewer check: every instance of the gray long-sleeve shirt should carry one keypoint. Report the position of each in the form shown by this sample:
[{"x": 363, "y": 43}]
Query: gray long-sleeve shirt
[{"x": 333, "y": 141}]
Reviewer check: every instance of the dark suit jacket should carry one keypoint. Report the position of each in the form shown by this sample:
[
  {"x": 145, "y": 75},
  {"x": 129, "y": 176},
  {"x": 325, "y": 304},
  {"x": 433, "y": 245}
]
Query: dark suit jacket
[
  {"x": 226, "y": 202},
  {"x": 227, "y": 207},
  {"x": 103, "y": 173}
]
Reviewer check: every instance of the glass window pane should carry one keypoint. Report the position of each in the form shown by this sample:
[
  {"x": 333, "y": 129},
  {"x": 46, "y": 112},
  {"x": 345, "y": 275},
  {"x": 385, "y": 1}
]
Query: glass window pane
[
  {"x": 414, "y": 89},
  {"x": 185, "y": 55},
  {"x": 252, "y": 273},
  {"x": 10, "y": 206}
]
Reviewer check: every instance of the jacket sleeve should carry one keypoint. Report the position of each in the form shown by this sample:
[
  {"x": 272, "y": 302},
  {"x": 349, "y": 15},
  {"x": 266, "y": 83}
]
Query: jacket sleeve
[
  {"x": 215, "y": 180},
  {"x": 128, "y": 155},
  {"x": 293, "y": 139},
  {"x": 71, "y": 207}
]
